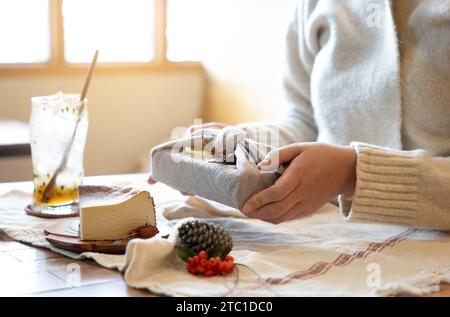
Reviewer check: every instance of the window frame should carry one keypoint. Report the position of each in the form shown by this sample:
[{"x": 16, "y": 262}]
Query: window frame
[{"x": 58, "y": 65}]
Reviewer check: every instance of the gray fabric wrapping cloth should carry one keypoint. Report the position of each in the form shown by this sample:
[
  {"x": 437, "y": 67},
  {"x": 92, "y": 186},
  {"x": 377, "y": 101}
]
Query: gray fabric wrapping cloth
[{"x": 229, "y": 175}]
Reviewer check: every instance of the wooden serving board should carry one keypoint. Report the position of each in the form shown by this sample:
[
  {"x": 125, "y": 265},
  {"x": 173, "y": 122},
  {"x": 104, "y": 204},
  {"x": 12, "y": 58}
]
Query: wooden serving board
[{"x": 65, "y": 235}]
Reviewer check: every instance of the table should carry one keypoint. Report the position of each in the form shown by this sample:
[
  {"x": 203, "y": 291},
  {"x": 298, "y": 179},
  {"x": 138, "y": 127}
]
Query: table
[
  {"x": 14, "y": 139},
  {"x": 31, "y": 271},
  {"x": 34, "y": 271}
]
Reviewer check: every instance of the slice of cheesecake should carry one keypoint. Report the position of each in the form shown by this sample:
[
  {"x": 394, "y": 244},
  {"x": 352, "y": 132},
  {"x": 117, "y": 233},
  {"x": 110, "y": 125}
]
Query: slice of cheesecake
[{"x": 115, "y": 220}]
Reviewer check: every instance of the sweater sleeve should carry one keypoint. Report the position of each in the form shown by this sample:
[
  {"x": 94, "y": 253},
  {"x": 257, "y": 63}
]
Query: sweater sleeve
[
  {"x": 298, "y": 124},
  {"x": 408, "y": 188}
]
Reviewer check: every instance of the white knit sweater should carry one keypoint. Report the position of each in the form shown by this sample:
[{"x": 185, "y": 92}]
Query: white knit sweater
[{"x": 349, "y": 81}]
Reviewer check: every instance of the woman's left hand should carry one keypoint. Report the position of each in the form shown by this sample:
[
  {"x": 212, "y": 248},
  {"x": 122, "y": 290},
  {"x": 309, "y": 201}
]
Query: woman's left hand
[{"x": 317, "y": 173}]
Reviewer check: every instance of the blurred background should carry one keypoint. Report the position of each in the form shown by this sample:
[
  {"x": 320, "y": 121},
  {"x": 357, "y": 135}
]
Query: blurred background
[{"x": 163, "y": 63}]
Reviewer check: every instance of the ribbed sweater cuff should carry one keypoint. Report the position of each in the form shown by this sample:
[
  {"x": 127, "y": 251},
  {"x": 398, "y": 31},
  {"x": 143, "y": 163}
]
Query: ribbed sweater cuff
[{"x": 386, "y": 187}]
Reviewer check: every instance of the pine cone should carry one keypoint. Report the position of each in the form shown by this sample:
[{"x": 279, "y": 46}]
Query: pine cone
[{"x": 202, "y": 236}]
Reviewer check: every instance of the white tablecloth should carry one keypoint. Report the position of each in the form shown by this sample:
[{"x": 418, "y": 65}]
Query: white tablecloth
[{"x": 319, "y": 255}]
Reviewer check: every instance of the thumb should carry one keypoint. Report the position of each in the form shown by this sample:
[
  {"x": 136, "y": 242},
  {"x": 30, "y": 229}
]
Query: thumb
[
  {"x": 281, "y": 155},
  {"x": 150, "y": 180}
]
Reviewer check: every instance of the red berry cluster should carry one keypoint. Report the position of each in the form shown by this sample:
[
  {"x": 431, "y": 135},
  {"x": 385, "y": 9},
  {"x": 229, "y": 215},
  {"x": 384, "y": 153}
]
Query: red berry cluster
[{"x": 202, "y": 264}]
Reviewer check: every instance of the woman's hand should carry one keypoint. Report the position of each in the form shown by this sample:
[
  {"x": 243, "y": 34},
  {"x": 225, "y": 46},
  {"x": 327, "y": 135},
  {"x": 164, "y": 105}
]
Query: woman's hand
[
  {"x": 317, "y": 173},
  {"x": 192, "y": 129}
]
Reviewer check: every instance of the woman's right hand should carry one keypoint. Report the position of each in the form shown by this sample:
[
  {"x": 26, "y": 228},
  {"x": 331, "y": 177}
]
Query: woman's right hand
[{"x": 192, "y": 129}]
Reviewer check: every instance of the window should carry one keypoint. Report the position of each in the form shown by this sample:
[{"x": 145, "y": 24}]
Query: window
[
  {"x": 62, "y": 34},
  {"x": 122, "y": 30},
  {"x": 24, "y": 34}
]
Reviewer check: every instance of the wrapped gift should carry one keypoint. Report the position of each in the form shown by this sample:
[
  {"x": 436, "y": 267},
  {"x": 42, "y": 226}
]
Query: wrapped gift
[{"x": 219, "y": 165}]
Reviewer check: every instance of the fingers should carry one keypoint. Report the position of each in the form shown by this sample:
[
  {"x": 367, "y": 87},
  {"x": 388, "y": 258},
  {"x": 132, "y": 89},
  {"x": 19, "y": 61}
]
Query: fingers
[
  {"x": 282, "y": 155},
  {"x": 284, "y": 185},
  {"x": 276, "y": 209},
  {"x": 151, "y": 181},
  {"x": 297, "y": 211}
]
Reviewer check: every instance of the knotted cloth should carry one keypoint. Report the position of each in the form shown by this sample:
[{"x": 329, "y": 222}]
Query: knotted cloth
[{"x": 217, "y": 164}]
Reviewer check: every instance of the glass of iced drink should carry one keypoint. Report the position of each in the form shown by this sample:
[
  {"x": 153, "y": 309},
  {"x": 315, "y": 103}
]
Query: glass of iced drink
[{"x": 58, "y": 127}]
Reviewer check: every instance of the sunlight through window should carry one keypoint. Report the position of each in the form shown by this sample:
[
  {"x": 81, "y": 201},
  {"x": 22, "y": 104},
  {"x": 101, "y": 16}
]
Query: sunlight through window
[
  {"x": 24, "y": 31},
  {"x": 123, "y": 30}
]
